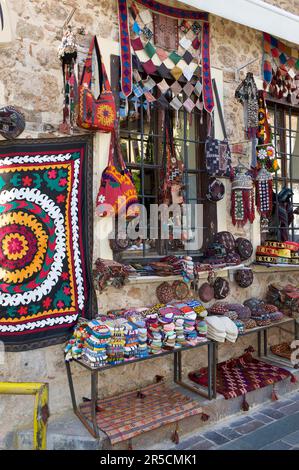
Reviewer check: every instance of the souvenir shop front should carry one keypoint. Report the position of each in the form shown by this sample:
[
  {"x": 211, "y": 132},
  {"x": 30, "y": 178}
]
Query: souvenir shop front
[{"x": 149, "y": 231}]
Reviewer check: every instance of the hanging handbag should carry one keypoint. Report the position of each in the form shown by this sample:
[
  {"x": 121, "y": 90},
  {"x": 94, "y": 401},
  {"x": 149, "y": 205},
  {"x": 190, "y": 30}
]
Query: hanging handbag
[
  {"x": 117, "y": 192},
  {"x": 172, "y": 169},
  {"x": 95, "y": 114},
  {"x": 218, "y": 154}
]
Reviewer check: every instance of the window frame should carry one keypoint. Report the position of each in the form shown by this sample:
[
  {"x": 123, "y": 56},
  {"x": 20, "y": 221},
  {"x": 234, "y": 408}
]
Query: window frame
[
  {"x": 210, "y": 209},
  {"x": 283, "y": 112}
]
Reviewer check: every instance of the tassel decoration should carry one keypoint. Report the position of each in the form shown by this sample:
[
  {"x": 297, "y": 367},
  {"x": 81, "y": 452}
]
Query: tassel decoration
[
  {"x": 293, "y": 379},
  {"x": 175, "y": 435},
  {"x": 274, "y": 396},
  {"x": 245, "y": 404},
  {"x": 205, "y": 417}
]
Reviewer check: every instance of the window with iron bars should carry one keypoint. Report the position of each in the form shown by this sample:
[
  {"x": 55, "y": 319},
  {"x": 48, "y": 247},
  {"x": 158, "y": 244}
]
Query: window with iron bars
[
  {"x": 284, "y": 120},
  {"x": 142, "y": 144}
]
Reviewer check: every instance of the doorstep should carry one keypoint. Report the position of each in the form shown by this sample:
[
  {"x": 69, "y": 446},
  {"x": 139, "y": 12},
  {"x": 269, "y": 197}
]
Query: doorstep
[{"x": 66, "y": 432}]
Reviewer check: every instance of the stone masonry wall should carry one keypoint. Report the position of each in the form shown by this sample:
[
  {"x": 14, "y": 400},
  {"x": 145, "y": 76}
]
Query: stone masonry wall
[{"x": 31, "y": 79}]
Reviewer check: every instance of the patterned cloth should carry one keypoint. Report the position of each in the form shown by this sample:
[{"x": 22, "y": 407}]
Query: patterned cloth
[
  {"x": 238, "y": 376},
  {"x": 131, "y": 414},
  {"x": 44, "y": 241}
]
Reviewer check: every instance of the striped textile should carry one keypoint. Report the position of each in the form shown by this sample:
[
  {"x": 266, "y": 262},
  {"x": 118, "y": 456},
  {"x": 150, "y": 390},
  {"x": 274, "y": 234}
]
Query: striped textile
[{"x": 126, "y": 416}]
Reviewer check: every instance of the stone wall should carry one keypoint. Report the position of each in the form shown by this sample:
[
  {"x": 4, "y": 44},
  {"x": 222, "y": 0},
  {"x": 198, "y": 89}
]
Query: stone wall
[{"x": 31, "y": 79}]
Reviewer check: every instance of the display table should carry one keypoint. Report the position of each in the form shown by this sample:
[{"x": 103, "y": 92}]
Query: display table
[{"x": 177, "y": 355}]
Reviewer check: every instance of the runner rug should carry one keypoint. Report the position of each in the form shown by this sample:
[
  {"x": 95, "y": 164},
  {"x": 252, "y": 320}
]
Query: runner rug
[
  {"x": 45, "y": 239},
  {"x": 238, "y": 376},
  {"x": 133, "y": 413}
]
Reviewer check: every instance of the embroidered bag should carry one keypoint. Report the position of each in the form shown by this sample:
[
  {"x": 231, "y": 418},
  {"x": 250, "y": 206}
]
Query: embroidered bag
[
  {"x": 218, "y": 157},
  {"x": 95, "y": 114},
  {"x": 117, "y": 191}
]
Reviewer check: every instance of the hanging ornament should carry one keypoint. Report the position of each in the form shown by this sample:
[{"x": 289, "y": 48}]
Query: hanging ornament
[
  {"x": 242, "y": 209},
  {"x": 247, "y": 95},
  {"x": 67, "y": 53},
  {"x": 264, "y": 193},
  {"x": 266, "y": 154}
]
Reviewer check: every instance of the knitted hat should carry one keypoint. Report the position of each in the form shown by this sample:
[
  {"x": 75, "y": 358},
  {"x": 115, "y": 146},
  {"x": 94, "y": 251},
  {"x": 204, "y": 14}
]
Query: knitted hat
[
  {"x": 244, "y": 277},
  {"x": 244, "y": 248},
  {"x": 221, "y": 288},
  {"x": 206, "y": 292},
  {"x": 227, "y": 240}
]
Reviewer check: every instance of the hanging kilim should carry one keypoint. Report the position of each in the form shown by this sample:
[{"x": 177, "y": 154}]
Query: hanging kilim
[
  {"x": 266, "y": 154},
  {"x": 264, "y": 193},
  {"x": 126, "y": 57},
  {"x": 242, "y": 209},
  {"x": 171, "y": 52},
  {"x": 281, "y": 69},
  {"x": 45, "y": 240}
]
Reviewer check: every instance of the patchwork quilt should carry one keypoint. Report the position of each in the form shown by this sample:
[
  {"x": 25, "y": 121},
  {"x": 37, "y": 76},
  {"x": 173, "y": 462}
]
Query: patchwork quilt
[{"x": 45, "y": 240}]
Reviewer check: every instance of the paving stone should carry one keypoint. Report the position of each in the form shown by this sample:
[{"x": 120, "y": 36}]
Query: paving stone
[
  {"x": 281, "y": 403},
  {"x": 202, "y": 445},
  {"x": 240, "y": 421},
  {"x": 290, "y": 409},
  {"x": 187, "y": 443},
  {"x": 275, "y": 414},
  {"x": 249, "y": 427},
  {"x": 268, "y": 434},
  {"x": 228, "y": 432},
  {"x": 292, "y": 439},
  {"x": 263, "y": 418},
  {"x": 215, "y": 437},
  {"x": 278, "y": 445}
]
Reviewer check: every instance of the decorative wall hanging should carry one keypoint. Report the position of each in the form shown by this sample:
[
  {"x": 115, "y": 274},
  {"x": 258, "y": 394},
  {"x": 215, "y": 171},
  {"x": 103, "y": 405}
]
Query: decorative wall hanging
[
  {"x": 242, "y": 210},
  {"x": 281, "y": 69},
  {"x": 247, "y": 95},
  {"x": 264, "y": 193},
  {"x": 218, "y": 157},
  {"x": 171, "y": 61},
  {"x": 266, "y": 154},
  {"x": 216, "y": 190},
  {"x": 282, "y": 215},
  {"x": 67, "y": 53},
  {"x": 96, "y": 114},
  {"x": 172, "y": 169},
  {"x": 126, "y": 57},
  {"x": 45, "y": 240},
  {"x": 117, "y": 193},
  {"x": 12, "y": 122}
]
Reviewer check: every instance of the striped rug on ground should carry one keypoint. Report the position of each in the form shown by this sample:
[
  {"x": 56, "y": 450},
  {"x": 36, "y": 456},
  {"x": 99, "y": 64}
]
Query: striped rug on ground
[{"x": 133, "y": 413}]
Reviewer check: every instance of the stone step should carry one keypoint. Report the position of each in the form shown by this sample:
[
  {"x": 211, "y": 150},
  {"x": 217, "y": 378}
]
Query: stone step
[{"x": 66, "y": 432}]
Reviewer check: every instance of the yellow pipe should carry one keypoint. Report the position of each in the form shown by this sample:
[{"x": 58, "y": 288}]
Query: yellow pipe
[
  {"x": 41, "y": 409},
  {"x": 19, "y": 388}
]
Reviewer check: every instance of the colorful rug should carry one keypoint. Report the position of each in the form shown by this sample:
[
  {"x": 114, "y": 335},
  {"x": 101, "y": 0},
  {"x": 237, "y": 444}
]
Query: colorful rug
[
  {"x": 45, "y": 240},
  {"x": 134, "y": 413},
  {"x": 282, "y": 350},
  {"x": 238, "y": 376}
]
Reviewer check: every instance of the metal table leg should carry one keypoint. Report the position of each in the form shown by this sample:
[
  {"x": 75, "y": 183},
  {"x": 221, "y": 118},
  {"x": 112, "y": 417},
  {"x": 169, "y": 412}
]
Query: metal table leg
[
  {"x": 266, "y": 343},
  {"x": 94, "y": 399},
  {"x": 214, "y": 365},
  {"x": 93, "y": 431},
  {"x": 178, "y": 367},
  {"x": 259, "y": 334}
]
